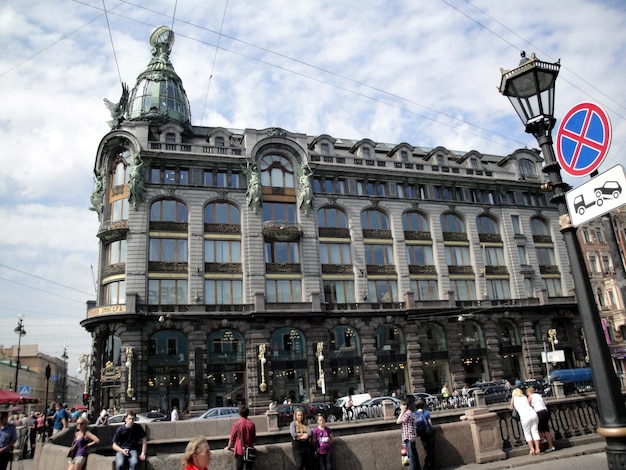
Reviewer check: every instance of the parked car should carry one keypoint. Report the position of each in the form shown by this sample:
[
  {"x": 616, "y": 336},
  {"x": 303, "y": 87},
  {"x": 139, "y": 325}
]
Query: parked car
[
  {"x": 493, "y": 394},
  {"x": 285, "y": 413},
  {"x": 431, "y": 401},
  {"x": 329, "y": 410},
  {"x": 147, "y": 417},
  {"x": 220, "y": 412},
  {"x": 373, "y": 408}
]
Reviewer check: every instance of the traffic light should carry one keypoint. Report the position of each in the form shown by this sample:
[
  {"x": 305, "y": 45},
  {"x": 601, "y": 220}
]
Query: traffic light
[{"x": 85, "y": 399}]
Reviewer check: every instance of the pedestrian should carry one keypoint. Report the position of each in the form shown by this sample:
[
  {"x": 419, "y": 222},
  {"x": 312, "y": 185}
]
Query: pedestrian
[
  {"x": 408, "y": 434},
  {"x": 127, "y": 441},
  {"x": 197, "y": 454},
  {"x": 349, "y": 408},
  {"x": 83, "y": 439},
  {"x": 300, "y": 443},
  {"x": 174, "y": 416},
  {"x": 543, "y": 414},
  {"x": 242, "y": 435},
  {"x": 322, "y": 442},
  {"x": 103, "y": 419},
  {"x": 424, "y": 430},
  {"x": 528, "y": 419},
  {"x": 60, "y": 419},
  {"x": 8, "y": 436}
]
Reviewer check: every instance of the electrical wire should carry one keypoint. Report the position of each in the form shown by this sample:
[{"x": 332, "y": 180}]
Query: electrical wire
[
  {"x": 44, "y": 279},
  {"x": 217, "y": 47},
  {"x": 106, "y": 15}
]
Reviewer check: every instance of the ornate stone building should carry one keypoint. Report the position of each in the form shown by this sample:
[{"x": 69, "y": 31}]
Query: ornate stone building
[{"x": 257, "y": 264}]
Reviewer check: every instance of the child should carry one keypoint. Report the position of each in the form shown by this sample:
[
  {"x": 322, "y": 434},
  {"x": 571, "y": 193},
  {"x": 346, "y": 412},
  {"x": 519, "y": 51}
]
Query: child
[{"x": 322, "y": 441}]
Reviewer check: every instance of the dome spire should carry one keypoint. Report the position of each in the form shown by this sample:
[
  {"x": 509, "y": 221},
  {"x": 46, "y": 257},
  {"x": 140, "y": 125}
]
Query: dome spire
[{"x": 159, "y": 94}]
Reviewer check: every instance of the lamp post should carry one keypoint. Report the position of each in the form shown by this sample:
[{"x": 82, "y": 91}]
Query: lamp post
[
  {"x": 19, "y": 329},
  {"x": 553, "y": 342},
  {"x": 64, "y": 388},
  {"x": 530, "y": 89},
  {"x": 84, "y": 363}
]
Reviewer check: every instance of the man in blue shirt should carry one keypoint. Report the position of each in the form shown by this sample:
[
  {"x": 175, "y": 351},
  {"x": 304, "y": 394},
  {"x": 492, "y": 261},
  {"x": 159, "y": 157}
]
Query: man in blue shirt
[
  {"x": 126, "y": 442},
  {"x": 8, "y": 436},
  {"x": 60, "y": 419}
]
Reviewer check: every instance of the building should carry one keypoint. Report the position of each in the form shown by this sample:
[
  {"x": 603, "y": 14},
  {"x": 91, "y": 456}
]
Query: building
[
  {"x": 254, "y": 265},
  {"x": 32, "y": 381},
  {"x": 606, "y": 272}
]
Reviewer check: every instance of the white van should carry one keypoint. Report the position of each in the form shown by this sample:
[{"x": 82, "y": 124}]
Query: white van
[{"x": 356, "y": 399}]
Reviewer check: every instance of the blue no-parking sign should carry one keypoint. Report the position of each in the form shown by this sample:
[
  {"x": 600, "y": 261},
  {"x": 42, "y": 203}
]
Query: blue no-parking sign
[{"x": 583, "y": 139}]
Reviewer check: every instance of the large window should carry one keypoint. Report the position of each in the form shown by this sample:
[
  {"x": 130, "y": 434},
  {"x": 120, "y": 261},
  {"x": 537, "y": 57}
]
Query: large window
[
  {"x": 167, "y": 292},
  {"x": 223, "y": 291},
  {"x": 554, "y": 287},
  {"x": 414, "y": 222},
  {"x": 279, "y": 212},
  {"x": 425, "y": 289},
  {"x": 282, "y": 252},
  {"x": 465, "y": 289},
  {"x": 276, "y": 171},
  {"x": 527, "y": 167},
  {"x": 452, "y": 223},
  {"x": 283, "y": 290},
  {"x": 458, "y": 256},
  {"x": 421, "y": 255},
  {"x": 338, "y": 291},
  {"x": 119, "y": 209},
  {"x": 486, "y": 225},
  {"x": 168, "y": 250},
  {"x": 115, "y": 293},
  {"x": 222, "y": 251},
  {"x": 168, "y": 210},
  {"x": 374, "y": 219},
  {"x": 379, "y": 255},
  {"x": 494, "y": 256},
  {"x": 335, "y": 253},
  {"x": 539, "y": 227},
  {"x": 382, "y": 291},
  {"x": 121, "y": 172},
  {"x": 221, "y": 213},
  {"x": 498, "y": 289},
  {"x": 115, "y": 252},
  {"x": 331, "y": 217}
]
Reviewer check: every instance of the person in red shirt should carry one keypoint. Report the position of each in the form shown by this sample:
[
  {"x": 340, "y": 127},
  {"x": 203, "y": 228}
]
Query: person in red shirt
[
  {"x": 242, "y": 435},
  {"x": 197, "y": 454}
]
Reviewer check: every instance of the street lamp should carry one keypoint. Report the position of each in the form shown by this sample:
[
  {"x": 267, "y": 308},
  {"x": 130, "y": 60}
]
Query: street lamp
[
  {"x": 64, "y": 388},
  {"x": 19, "y": 329},
  {"x": 530, "y": 88},
  {"x": 553, "y": 342},
  {"x": 84, "y": 365}
]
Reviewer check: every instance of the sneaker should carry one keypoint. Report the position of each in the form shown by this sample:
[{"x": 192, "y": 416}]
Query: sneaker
[{"x": 551, "y": 449}]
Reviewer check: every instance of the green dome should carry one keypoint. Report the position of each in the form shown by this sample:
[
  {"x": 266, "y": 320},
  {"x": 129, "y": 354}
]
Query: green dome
[{"x": 159, "y": 94}]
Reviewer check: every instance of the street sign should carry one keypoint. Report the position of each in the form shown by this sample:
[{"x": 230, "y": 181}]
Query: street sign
[
  {"x": 553, "y": 356},
  {"x": 583, "y": 139},
  {"x": 24, "y": 390},
  {"x": 598, "y": 196}
]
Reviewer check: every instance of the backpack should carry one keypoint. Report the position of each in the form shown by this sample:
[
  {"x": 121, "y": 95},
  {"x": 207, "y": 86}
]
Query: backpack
[{"x": 420, "y": 422}]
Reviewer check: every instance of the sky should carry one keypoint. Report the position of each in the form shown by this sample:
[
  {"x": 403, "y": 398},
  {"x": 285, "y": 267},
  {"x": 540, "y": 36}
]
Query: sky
[{"x": 424, "y": 72}]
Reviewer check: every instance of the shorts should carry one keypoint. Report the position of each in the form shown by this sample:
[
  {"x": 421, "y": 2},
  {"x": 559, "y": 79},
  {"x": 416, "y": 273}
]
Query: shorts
[
  {"x": 544, "y": 420},
  {"x": 81, "y": 459}
]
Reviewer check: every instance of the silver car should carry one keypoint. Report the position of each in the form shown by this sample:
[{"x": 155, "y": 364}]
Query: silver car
[{"x": 220, "y": 412}]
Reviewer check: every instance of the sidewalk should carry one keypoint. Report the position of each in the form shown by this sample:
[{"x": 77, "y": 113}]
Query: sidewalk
[{"x": 580, "y": 457}]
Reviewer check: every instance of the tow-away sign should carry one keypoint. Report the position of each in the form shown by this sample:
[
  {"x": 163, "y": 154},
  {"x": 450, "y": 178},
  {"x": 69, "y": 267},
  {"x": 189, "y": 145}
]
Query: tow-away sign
[{"x": 598, "y": 196}]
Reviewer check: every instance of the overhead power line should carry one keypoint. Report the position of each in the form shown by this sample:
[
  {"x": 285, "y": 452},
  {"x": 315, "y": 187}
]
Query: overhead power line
[{"x": 46, "y": 280}]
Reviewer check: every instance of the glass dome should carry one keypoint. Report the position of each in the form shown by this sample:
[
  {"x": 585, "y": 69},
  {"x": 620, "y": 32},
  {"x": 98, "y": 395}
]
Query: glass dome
[{"x": 158, "y": 94}]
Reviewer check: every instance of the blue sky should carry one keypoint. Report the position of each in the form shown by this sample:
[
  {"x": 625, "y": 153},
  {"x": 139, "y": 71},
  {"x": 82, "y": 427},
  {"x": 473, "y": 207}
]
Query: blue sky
[{"x": 423, "y": 72}]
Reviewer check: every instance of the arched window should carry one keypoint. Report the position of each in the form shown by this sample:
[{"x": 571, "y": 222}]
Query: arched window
[
  {"x": 452, "y": 223},
  {"x": 112, "y": 350},
  {"x": 226, "y": 367},
  {"x": 345, "y": 361},
  {"x": 289, "y": 364},
  {"x": 539, "y": 227},
  {"x": 121, "y": 170},
  {"x": 527, "y": 167},
  {"x": 168, "y": 210},
  {"x": 413, "y": 221},
  {"x": 219, "y": 141},
  {"x": 331, "y": 217},
  {"x": 276, "y": 171},
  {"x": 168, "y": 370},
  {"x": 510, "y": 348},
  {"x": 374, "y": 219},
  {"x": 487, "y": 225},
  {"x": 473, "y": 352},
  {"x": 325, "y": 150},
  {"x": 436, "y": 367},
  {"x": 221, "y": 213},
  {"x": 391, "y": 359}
]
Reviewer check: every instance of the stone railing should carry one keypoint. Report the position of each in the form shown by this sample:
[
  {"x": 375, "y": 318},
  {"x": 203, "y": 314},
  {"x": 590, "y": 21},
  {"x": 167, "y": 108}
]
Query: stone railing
[{"x": 478, "y": 434}]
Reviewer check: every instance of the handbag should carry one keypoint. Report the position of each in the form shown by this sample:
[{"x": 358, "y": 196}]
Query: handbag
[
  {"x": 249, "y": 454},
  {"x": 515, "y": 415},
  {"x": 72, "y": 452}
]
